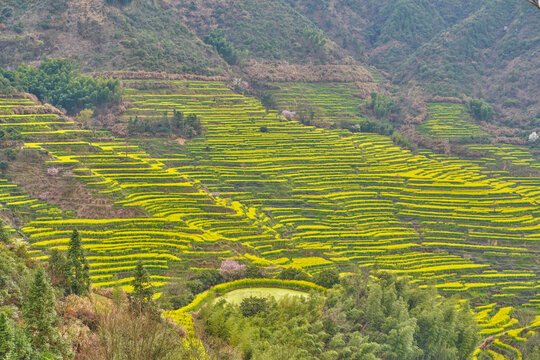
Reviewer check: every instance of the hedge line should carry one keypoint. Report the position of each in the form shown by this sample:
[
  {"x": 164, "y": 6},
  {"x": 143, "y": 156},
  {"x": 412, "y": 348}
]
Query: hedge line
[{"x": 246, "y": 283}]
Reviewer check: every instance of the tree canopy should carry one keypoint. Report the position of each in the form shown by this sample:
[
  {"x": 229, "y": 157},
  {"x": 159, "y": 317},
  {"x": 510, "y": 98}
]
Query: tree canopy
[{"x": 60, "y": 83}]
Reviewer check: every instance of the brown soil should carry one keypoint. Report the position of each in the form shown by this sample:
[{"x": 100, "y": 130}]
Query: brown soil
[
  {"x": 181, "y": 141},
  {"x": 68, "y": 193},
  {"x": 285, "y": 72},
  {"x": 142, "y": 75}
]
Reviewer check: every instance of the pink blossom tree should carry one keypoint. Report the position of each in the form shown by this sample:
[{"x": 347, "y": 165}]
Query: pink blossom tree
[{"x": 232, "y": 270}]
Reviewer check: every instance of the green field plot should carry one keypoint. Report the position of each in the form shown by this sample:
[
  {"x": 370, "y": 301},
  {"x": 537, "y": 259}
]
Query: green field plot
[
  {"x": 449, "y": 121},
  {"x": 236, "y": 296}
]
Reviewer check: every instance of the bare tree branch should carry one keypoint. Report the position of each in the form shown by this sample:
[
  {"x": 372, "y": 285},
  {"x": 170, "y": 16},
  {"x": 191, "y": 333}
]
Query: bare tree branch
[{"x": 535, "y": 3}]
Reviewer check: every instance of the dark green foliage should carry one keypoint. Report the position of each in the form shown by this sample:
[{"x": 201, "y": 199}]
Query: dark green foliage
[
  {"x": 59, "y": 269},
  {"x": 32, "y": 297},
  {"x": 14, "y": 279},
  {"x": 382, "y": 318},
  {"x": 78, "y": 276},
  {"x": 315, "y": 38},
  {"x": 180, "y": 125},
  {"x": 263, "y": 129},
  {"x": 367, "y": 125},
  {"x": 293, "y": 274},
  {"x": 5, "y": 238},
  {"x": 216, "y": 38},
  {"x": 14, "y": 343},
  {"x": 22, "y": 345},
  {"x": 5, "y": 85},
  {"x": 6, "y": 337},
  {"x": 402, "y": 141},
  {"x": 327, "y": 277},
  {"x": 253, "y": 272},
  {"x": 253, "y": 305},
  {"x": 39, "y": 314},
  {"x": 268, "y": 100},
  {"x": 480, "y": 109},
  {"x": 381, "y": 105},
  {"x": 59, "y": 82},
  {"x": 175, "y": 295},
  {"x": 141, "y": 298}
]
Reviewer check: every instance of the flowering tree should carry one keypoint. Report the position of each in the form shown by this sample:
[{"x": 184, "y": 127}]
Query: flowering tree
[
  {"x": 232, "y": 270},
  {"x": 288, "y": 114},
  {"x": 52, "y": 171}
]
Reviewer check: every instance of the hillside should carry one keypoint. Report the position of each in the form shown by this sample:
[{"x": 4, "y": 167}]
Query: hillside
[
  {"x": 142, "y": 35},
  {"x": 441, "y": 47}
]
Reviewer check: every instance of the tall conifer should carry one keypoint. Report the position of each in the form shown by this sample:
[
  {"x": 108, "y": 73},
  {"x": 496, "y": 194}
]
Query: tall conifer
[
  {"x": 39, "y": 313},
  {"x": 79, "y": 273},
  {"x": 4, "y": 234},
  {"x": 142, "y": 288},
  {"x": 6, "y": 337}
]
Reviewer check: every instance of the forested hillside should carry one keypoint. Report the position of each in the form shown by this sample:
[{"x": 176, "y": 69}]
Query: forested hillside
[{"x": 447, "y": 48}]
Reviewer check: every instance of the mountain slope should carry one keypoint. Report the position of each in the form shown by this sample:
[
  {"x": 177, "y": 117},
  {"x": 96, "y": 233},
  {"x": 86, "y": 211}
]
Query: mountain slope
[
  {"x": 143, "y": 35},
  {"x": 447, "y": 48},
  {"x": 491, "y": 54}
]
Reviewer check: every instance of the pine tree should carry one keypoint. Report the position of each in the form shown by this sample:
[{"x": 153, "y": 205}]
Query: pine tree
[
  {"x": 6, "y": 337},
  {"x": 79, "y": 273},
  {"x": 58, "y": 269},
  {"x": 142, "y": 289},
  {"x": 4, "y": 234},
  {"x": 39, "y": 313}
]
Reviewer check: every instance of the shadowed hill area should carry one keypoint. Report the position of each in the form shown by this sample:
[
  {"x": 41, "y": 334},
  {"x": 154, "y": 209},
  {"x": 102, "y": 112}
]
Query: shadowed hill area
[{"x": 446, "y": 47}]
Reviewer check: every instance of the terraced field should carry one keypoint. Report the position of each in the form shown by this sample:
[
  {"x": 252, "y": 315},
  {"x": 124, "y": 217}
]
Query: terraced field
[
  {"x": 333, "y": 101},
  {"x": 304, "y": 197},
  {"x": 514, "y": 154},
  {"x": 448, "y": 120}
]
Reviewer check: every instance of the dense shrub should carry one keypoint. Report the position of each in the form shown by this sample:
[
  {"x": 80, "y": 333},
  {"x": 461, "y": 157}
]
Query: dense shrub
[
  {"x": 178, "y": 124},
  {"x": 216, "y": 38},
  {"x": 253, "y": 305},
  {"x": 59, "y": 82},
  {"x": 327, "y": 277},
  {"x": 381, "y": 105},
  {"x": 293, "y": 274},
  {"x": 480, "y": 109}
]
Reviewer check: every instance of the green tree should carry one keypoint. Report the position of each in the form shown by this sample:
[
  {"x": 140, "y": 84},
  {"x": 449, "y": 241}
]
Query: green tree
[
  {"x": 39, "y": 313},
  {"x": 4, "y": 234},
  {"x": 143, "y": 291},
  {"x": 381, "y": 105},
  {"x": 481, "y": 110},
  {"x": 293, "y": 274},
  {"x": 60, "y": 83},
  {"x": 179, "y": 119},
  {"x": 327, "y": 277},
  {"x": 252, "y": 305},
  {"x": 58, "y": 269},
  {"x": 22, "y": 347},
  {"x": 226, "y": 49},
  {"x": 6, "y": 337},
  {"x": 78, "y": 276}
]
